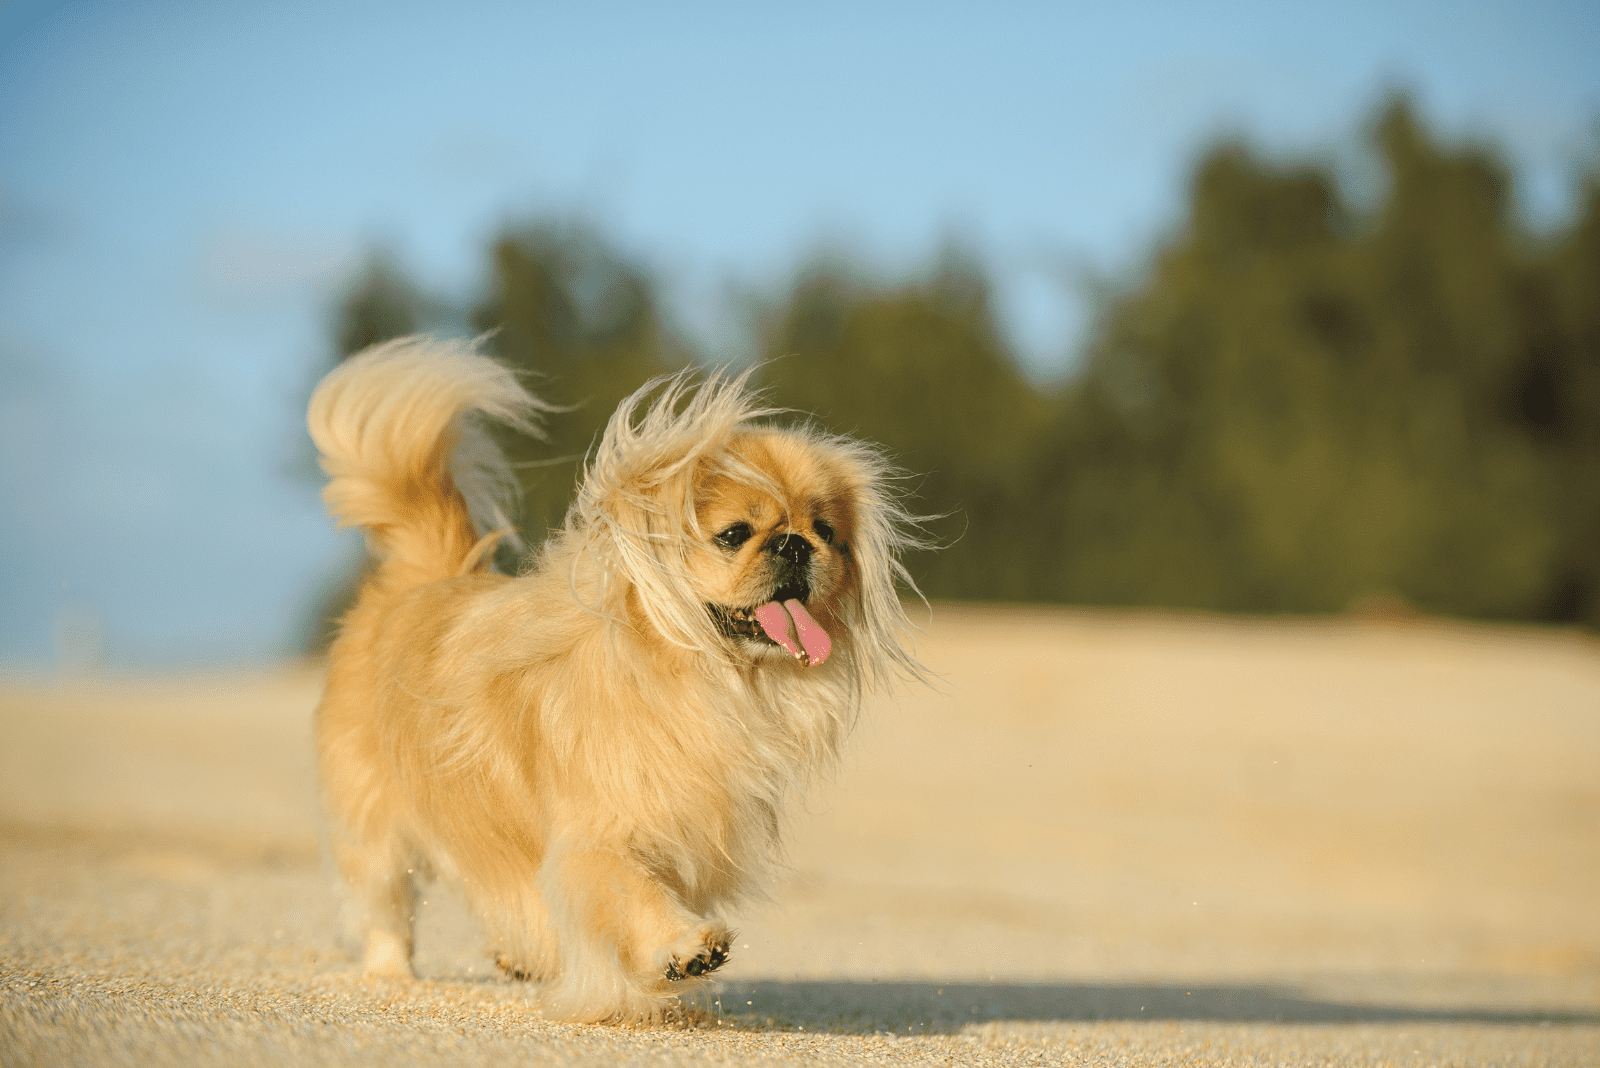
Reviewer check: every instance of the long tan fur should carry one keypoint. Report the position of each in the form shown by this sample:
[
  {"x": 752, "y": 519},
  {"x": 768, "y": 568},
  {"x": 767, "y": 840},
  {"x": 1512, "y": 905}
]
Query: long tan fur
[{"x": 600, "y": 764}]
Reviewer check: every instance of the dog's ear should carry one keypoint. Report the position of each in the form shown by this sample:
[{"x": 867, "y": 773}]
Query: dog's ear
[
  {"x": 881, "y": 530},
  {"x": 635, "y": 509}
]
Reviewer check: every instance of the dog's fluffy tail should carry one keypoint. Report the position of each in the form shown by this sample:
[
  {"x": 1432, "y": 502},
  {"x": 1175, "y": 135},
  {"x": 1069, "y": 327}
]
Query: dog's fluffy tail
[{"x": 400, "y": 432}]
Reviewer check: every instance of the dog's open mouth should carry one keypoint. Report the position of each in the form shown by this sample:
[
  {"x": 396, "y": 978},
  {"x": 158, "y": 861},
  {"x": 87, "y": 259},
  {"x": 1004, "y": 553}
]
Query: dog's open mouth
[{"x": 781, "y": 622}]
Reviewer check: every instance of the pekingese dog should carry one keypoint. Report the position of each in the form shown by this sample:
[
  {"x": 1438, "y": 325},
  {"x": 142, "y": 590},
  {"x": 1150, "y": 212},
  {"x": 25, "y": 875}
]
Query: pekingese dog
[{"x": 600, "y": 750}]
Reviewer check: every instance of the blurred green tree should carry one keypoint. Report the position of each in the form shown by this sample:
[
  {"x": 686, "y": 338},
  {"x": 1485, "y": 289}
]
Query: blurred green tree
[
  {"x": 1554, "y": 396},
  {"x": 1298, "y": 408}
]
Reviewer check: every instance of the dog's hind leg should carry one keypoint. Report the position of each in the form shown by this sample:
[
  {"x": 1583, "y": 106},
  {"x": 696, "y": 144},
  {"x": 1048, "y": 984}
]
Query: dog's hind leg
[
  {"x": 391, "y": 903},
  {"x": 381, "y": 899},
  {"x": 367, "y": 830}
]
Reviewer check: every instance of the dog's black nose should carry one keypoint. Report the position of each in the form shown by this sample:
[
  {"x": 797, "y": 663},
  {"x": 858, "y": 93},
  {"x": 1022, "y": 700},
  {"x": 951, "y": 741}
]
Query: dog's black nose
[
  {"x": 793, "y": 548},
  {"x": 790, "y": 570}
]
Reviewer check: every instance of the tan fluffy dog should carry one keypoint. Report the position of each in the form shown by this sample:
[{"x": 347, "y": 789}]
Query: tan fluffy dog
[{"x": 600, "y": 750}]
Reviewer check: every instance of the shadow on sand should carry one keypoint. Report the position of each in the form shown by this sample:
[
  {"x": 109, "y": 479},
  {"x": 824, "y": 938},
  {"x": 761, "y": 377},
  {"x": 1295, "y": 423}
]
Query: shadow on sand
[{"x": 947, "y": 1007}]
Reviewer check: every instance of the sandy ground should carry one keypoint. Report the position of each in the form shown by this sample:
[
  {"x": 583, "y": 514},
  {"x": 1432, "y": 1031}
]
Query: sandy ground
[{"x": 1103, "y": 839}]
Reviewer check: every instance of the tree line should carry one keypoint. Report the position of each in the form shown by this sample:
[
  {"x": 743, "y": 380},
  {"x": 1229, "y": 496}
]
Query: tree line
[{"x": 1299, "y": 406}]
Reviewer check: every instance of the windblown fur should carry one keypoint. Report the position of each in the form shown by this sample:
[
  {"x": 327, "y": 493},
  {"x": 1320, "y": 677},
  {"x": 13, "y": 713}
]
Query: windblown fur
[{"x": 601, "y": 749}]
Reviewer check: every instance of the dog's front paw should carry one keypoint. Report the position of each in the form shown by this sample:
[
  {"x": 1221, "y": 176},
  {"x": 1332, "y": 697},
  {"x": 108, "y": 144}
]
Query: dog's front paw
[
  {"x": 700, "y": 952},
  {"x": 706, "y": 961}
]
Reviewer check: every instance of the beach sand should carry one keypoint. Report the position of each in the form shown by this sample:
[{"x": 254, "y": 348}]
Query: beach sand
[{"x": 1100, "y": 838}]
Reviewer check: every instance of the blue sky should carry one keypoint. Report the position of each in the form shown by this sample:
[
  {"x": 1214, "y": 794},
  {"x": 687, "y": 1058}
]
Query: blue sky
[{"x": 184, "y": 186}]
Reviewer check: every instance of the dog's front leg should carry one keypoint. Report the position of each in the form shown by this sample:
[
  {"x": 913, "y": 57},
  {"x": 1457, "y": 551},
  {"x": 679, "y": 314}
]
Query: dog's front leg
[{"x": 611, "y": 907}]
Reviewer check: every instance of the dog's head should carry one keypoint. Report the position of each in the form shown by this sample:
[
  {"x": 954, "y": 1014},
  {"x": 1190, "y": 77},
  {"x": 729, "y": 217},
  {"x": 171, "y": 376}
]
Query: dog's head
[{"x": 741, "y": 541}]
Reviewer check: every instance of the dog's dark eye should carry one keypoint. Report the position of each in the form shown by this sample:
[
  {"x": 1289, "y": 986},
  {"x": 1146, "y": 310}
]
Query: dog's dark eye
[
  {"x": 824, "y": 531},
  {"x": 734, "y": 536}
]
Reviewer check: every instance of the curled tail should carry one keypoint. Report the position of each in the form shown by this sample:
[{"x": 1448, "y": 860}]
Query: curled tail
[{"x": 408, "y": 458}]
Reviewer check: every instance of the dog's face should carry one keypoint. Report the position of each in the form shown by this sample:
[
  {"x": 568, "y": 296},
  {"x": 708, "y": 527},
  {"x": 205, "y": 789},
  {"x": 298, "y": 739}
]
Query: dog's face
[
  {"x": 774, "y": 552},
  {"x": 715, "y": 535}
]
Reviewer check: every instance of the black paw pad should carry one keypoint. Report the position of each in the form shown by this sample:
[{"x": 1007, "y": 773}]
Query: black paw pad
[{"x": 702, "y": 963}]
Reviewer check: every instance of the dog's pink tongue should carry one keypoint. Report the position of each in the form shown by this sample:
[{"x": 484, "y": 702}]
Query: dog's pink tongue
[
  {"x": 815, "y": 640},
  {"x": 775, "y": 619}
]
